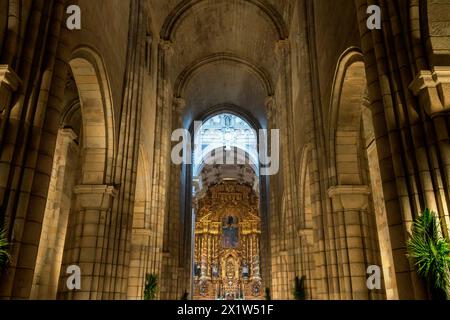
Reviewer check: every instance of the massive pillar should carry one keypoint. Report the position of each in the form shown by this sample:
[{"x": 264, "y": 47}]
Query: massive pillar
[
  {"x": 87, "y": 242},
  {"x": 411, "y": 132},
  {"x": 433, "y": 91},
  {"x": 353, "y": 227},
  {"x": 161, "y": 171},
  {"x": 57, "y": 211},
  {"x": 28, "y": 145}
]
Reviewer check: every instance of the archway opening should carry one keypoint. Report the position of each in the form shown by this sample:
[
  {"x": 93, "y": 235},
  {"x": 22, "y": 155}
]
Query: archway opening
[
  {"x": 226, "y": 259},
  {"x": 357, "y": 193},
  {"x": 83, "y": 159}
]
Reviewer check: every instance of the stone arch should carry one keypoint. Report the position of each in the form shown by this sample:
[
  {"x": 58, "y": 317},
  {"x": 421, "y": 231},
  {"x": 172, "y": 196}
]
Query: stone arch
[
  {"x": 83, "y": 156},
  {"x": 356, "y": 192},
  {"x": 97, "y": 113},
  {"x": 57, "y": 211},
  {"x": 345, "y": 119},
  {"x": 206, "y": 176},
  {"x": 231, "y": 109},
  {"x": 170, "y": 25},
  {"x": 192, "y": 69}
]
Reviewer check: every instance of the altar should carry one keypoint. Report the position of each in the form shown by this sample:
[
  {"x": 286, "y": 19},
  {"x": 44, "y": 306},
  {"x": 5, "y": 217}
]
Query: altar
[{"x": 227, "y": 244}]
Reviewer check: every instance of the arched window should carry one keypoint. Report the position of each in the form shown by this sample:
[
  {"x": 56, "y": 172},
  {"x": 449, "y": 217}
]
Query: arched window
[{"x": 225, "y": 132}]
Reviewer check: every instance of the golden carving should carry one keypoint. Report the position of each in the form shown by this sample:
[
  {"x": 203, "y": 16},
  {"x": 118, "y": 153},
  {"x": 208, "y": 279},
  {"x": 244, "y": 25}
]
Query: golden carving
[{"x": 227, "y": 234}]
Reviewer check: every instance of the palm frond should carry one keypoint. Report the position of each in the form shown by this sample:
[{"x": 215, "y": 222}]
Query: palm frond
[
  {"x": 430, "y": 252},
  {"x": 151, "y": 287},
  {"x": 4, "y": 250}
]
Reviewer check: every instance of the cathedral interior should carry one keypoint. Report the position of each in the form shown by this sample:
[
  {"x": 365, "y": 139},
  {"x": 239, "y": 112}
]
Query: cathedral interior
[{"x": 228, "y": 148}]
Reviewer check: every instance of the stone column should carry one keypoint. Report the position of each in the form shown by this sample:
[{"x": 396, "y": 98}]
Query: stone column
[
  {"x": 54, "y": 226},
  {"x": 161, "y": 171},
  {"x": 433, "y": 91},
  {"x": 273, "y": 240},
  {"x": 139, "y": 262},
  {"x": 306, "y": 236},
  {"x": 350, "y": 204},
  {"x": 286, "y": 177},
  {"x": 9, "y": 83},
  {"x": 87, "y": 245}
]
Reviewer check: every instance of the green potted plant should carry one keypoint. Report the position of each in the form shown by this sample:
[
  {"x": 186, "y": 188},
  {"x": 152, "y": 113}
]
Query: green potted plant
[
  {"x": 151, "y": 287},
  {"x": 430, "y": 252},
  {"x": 299, "y": 288},
  {"x": 4, "y": 250}
]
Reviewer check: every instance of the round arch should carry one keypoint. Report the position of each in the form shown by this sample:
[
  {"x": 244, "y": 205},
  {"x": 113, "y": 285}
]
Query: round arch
[
  {"x": 192, "y": 69},
  {"x": 172, "y": 21},
  {"x": 216, "y": 154},
  {"x": 97, "y": 113},
  {"x": 234, "y": 110},
  {"x": 349, "y": 88},
  {"x": 354, "y": 161}
]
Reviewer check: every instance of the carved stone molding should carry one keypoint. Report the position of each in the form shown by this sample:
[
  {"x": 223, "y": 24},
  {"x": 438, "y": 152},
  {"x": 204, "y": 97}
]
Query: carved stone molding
[
  {"x": 9, "y": 83},
  {"x": 179, "y": 105},
  {"x": 95, "y": 197},
  {"x": 270, "y": 107},
  {"x": 141, "y": 237},
  {"x": 349, "y": 197},
  {"x": 281, "y": 46},
  {"x": 307, "y": 234},
  {"x": 142, "y": 232},
  {"x": 68, "y": 134},
  {"x": 433, "y": 89},
  {"x": 166, "y": 47}
]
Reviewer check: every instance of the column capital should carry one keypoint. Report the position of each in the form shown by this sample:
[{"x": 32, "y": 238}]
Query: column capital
[
  {"x": 282, "y": 44},
  {"x": 270, "y": 104},
  {"x": 423, "y": 80},
  {"x": 9, "y": 83},
  {"x": 179, "y": 104},
  {"x": 307, "y": 234},
  {"x": 281, "y": 49},
  {"x": 9, "y": 78},
  {"x": 95, "y": 197},
  {"x": 166, "y": 45},
  {"x": 142, "y": 232},
  {"x": 68, "y": 134},
  {"x": 283, "y": 253},
  {"x": 349, "y": 197},
  {"x": 433, "y": 89}
]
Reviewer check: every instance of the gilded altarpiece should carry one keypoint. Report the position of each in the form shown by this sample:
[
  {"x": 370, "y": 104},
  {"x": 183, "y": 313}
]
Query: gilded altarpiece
[{"x": 227, "y": 244}]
